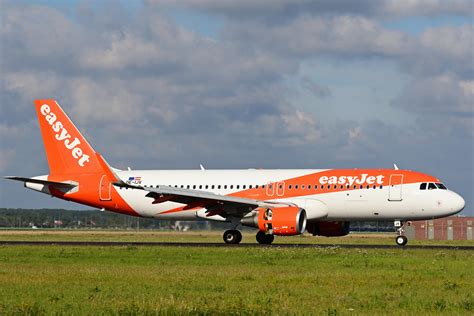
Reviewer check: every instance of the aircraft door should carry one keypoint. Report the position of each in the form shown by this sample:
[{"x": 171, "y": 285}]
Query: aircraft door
[
  {"x": 280, "y": 190},
  {"x": 105, "y": 188},
  {"x": 395, "y": 187},
  {"x": 270, "y": 189}
]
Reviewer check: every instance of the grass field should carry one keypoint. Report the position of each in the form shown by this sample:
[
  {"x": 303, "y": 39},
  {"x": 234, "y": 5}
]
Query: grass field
[{"x": 189, "y": 280}]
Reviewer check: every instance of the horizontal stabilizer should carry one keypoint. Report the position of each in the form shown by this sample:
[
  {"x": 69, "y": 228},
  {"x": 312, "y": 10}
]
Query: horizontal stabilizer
[{"x": 44, "y": 182}]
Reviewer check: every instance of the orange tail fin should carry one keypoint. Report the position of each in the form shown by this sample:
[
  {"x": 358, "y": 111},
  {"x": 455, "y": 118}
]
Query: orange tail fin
[{"x": 68, "y": 152}]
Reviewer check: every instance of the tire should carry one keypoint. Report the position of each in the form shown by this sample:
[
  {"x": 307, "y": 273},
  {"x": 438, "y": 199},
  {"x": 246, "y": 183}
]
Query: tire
[
  {"x": 264, "y": 239},
  {"x": 232, "y": 237},
  {"x": 239, "y": 236},
  {"x": 401, "y": 240}
]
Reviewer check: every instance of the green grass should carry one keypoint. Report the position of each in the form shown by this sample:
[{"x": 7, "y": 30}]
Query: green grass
[{"x": 188, "y": 280}]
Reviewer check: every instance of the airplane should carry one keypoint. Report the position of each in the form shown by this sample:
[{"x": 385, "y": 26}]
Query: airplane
[{"x": 279, "y": 202}]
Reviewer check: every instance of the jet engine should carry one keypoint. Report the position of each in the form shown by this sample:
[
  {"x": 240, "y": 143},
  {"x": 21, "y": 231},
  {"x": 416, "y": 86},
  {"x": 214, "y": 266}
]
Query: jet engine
[
  {"x": 329, "y": 229},
  {"x": 280, "y": 221}
]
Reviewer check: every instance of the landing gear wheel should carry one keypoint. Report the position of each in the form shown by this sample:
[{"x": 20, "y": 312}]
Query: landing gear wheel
[
  {"x": 232, "y": 236},
  {"x": 401, "y": 240},
  {"x": 239, "y": 237},
  {"x": 264, "y": 239}
]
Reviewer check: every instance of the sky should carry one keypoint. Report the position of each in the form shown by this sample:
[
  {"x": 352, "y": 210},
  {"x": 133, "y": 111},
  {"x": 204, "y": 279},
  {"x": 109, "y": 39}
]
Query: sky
[{"x": 242, "y": 84}]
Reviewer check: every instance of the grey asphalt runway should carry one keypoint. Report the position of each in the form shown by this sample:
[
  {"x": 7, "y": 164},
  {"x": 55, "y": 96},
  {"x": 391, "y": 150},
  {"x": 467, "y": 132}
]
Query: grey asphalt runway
[{"x": 221, "y": 245}]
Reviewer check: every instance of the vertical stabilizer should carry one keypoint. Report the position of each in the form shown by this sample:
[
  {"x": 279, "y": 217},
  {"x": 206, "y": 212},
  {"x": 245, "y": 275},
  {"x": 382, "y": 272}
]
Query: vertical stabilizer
[{"x": 67, "y": 151}]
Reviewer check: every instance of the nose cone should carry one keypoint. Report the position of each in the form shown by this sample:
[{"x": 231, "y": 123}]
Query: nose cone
[{"x": 456, "y": 202}]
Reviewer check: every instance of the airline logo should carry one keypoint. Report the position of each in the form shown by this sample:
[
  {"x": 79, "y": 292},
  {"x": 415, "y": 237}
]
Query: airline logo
[
  {"x": 63, "y": 135},
  {"x": 350, "y": 180}
]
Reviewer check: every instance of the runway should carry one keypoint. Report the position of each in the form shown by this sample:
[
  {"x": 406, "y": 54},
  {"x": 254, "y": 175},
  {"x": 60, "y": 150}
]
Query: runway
[{"x": 222, "y": 245}]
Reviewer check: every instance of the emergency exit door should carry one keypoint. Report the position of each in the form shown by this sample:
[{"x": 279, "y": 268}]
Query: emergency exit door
[{"x": 395, "y": 187}]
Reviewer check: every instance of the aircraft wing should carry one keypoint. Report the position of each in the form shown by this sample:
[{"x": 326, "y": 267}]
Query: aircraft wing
[{"x": 215, "y": 204}]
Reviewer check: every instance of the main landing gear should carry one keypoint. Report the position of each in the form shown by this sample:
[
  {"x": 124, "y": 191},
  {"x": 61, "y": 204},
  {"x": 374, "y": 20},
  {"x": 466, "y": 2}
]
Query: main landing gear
[
  {"x": 264, "y": 239},
  {"x": 232, "y": 236},
  {"x": 400, "y": 239}
]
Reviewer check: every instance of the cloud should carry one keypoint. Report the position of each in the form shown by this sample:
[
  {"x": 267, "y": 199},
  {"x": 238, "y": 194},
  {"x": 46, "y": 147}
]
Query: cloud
[
  {"x": 443, "y": 103},
  {"x": 442, "y": 95},
  {"x": 281, "y": 10},
  {"x": 348, "y": 36}
]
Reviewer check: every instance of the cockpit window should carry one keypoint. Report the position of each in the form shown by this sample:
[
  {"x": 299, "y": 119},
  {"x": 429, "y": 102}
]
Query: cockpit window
[
  {"x": 441, "y": 186},
  {"x": 431, "y": 186},
  {"x": 423, "y": 186}
]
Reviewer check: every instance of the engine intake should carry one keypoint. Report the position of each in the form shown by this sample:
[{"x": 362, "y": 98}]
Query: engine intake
[{"x": 280, "y": 221}]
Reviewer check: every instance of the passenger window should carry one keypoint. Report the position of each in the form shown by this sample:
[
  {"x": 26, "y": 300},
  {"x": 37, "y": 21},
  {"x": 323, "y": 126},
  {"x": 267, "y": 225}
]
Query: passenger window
[
  {"x": 289, "y": 187},
  {"x": 219, "y": 186},
  {"x": 256, "y": 186},
  {"x": 431, "y": 186},
  {"x": 238, "y": 186},
  {"x": 187, "y": 186},
  {"x": 296, "y": 187},
  {"x": 309, "y": 186},
  {"x": 200, "y": 186},
  {"x": 423, "y": 186},
  {"x": 250, "y": 186},
  {"x": 302, "y": 186},
  {"x": 231, "y": 186},
  {"x": 381, "y": 186},
  {"x": 335, "y": 187},
  {"x": 225, "y": 186},
  {"x": 212, "y": 186},
  {"x": 263, "y": 186},
  {"x": 315, "y": 186},
  {"x": 194, "y": 186}
]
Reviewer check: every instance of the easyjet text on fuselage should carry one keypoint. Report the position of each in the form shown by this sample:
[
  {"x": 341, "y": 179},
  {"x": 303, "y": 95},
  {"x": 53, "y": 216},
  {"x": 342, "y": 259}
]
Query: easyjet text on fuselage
[{"x": 350, "y": 180}]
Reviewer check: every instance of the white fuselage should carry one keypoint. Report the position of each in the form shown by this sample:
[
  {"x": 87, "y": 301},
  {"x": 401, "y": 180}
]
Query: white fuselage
[{"x": 372, "y": 202}]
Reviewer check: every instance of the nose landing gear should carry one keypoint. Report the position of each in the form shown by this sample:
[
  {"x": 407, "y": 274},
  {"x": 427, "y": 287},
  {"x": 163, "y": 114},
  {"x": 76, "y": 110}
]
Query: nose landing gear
[{"x": 400, "y": 239}]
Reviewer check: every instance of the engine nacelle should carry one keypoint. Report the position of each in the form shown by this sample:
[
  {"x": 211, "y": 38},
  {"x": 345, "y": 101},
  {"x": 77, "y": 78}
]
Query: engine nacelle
[
  {"x": 329, "y": 229},
  {"x": 280, "y": 221}
]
